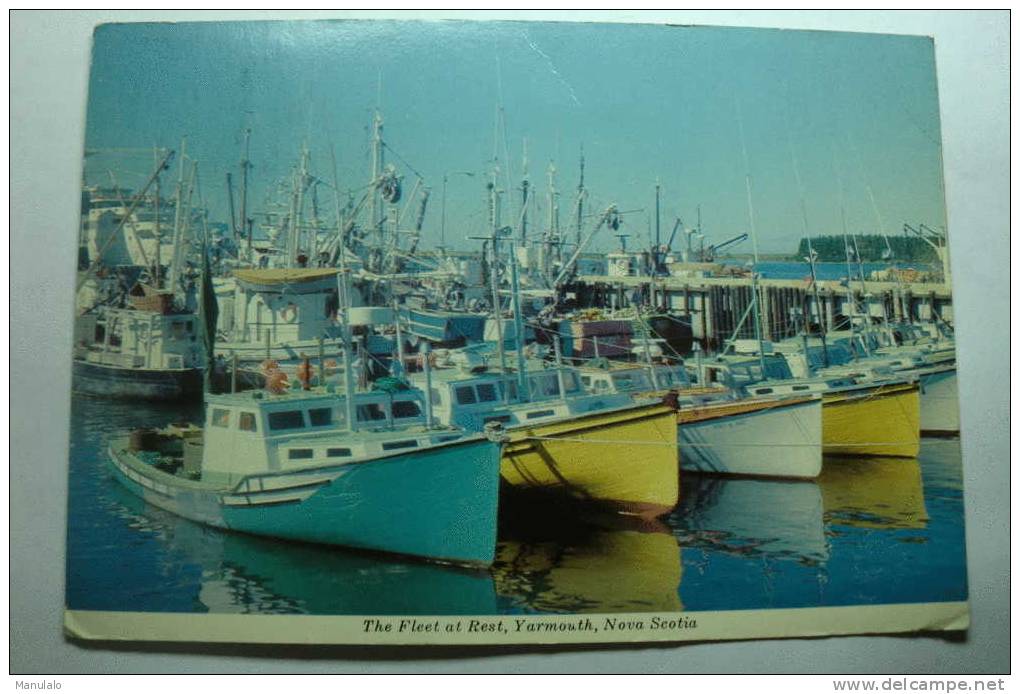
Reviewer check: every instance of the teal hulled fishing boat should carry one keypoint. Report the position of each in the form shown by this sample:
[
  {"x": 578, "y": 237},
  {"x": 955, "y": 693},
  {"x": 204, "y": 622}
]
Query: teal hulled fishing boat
[{"x": 288, "y": 466}]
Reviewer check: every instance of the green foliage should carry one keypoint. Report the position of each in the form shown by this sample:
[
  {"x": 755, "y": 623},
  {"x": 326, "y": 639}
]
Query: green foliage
[{"x": 872, "y": 247}]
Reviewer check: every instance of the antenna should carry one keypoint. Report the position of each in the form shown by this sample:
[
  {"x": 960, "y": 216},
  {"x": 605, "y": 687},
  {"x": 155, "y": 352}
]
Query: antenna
[
  {"x": 580, "y": 199},
  {"x": 524, "y": 194},
  {"x": 754, "y": 242}
]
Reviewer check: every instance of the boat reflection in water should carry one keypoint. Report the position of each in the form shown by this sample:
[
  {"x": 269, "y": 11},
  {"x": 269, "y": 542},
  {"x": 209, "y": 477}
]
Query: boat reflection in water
[
  {"x": 790, "y": 519},
  {"x": 752, "y": 517},
  {"x": 560, "y": 562},
  {"x": 879, "y": 493},
  {"x": 247, "y": 574}
]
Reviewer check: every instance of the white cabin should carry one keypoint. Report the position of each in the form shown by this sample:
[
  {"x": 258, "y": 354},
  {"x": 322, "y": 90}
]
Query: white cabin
[
  {"x": 254, "y": 432},
  {"x": 134, "y": 339},
  {"x": 289, "y": 305}
]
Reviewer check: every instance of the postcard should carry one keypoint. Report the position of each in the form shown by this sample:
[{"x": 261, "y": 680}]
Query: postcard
[{"x": 494, "y": 332}]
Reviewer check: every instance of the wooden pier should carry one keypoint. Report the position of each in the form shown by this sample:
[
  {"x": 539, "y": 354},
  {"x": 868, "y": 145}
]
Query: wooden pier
[{"x": 717, "y": 305}]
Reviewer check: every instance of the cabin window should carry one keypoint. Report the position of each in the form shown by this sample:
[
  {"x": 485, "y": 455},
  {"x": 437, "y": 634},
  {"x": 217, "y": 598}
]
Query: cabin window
[
  {"x": 508, "y": 386},
  {"x": 299, "y": 454},
  {"x": 397, "y": 445},
  {"x": 246, "y": 421},
  {"x": 546, "y": 384},
  {"x": 321, "y": 416},
  {"x": 292, "y": 419},
  {"x": 623, "y": 382},
  {"x": 535, "y": 414},
  {"x": 338, "y": 452},
  {"x": 406, "y": 408},
  {"x": 466, "y": 395},
  {"x": 800, "y": 387},
  {"x": 220, "y": 417},
  {"x": 501, "y": 418},
  {"x": 371, "y": 412},
  {"x": 763, "y": 391},
  {"x": 586, "y": 380},
  {"x": 486, "y": 392}
]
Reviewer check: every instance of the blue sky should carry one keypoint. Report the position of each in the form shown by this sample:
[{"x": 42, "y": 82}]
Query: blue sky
[{"x": 858, "y": 112}]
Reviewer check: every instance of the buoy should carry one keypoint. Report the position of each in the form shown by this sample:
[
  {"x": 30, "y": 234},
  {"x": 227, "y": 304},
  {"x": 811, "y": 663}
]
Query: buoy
[
  {"x": 277, "y": 382},
  {"x": 289, "y": 313}
]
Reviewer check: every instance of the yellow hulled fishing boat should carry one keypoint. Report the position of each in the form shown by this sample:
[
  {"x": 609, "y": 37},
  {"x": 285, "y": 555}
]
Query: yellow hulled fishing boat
[
  {"x": 861, "y": 415},
  {"x": 603, "y": 448},
  {"x": 873, "y": 420},
  {"x": 627, "y": 458}
]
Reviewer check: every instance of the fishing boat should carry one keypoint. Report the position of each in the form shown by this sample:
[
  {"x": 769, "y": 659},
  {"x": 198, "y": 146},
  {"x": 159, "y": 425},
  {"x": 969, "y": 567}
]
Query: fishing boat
[
  {"x": 720, "y": 433},
  {"x": 603, "y": 449},
  {"x": 861, "y": 415},
  {"x": 137, "y": 335},
  {"x": 154, "y": 354},
  {"x": 316, "y": 466},
  {"x": 906, "y": 348},
  {"x": 443, "y": 327}
]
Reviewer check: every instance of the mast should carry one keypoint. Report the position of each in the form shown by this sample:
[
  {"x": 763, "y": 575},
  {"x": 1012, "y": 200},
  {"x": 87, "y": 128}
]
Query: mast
[
  {"x": 245, "y": 226},
  {"x": 377, "y": 166},
  {"x": 851, "y": 303},
  {"x": 658, "y": 237},
  {"x": 178, "y": 207},
  {"x": 302, "y": 178},
  {"x": 524, "y": 198},
  {"x": 156, "y": 232},
  {"x": 754, "y": 245},
  {"x": 579, "y": 221},
  {"x": 494, "y": 267},
  {"x": 230, "y": 204},
  {"x": 553, "y": 234},
  {"x": 812, "y": 256},
  {"x": 515, "y": 288},
  {"x": 818, "y": 302}
]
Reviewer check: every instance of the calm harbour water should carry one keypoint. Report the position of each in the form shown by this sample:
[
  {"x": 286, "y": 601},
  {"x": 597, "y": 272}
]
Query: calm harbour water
[{"x": 867, "y": 532}]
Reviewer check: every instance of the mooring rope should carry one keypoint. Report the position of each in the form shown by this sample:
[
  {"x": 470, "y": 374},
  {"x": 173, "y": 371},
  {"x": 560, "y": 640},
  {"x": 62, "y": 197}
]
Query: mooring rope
[{"x": 867, "y": 444}]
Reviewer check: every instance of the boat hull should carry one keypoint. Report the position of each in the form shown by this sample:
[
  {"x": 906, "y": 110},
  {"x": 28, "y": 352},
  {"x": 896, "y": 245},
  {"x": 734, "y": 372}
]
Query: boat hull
[
  {"x": 625, "y": 459},
  {"x": 753, "y": 438},
  {"x": 439, "y": 504},
  {"x": 137, "y": 384},
  {"x": 881, "y": 420},
  {"x": 940, "y": 406},
  {"x": 444, "y": 326}
]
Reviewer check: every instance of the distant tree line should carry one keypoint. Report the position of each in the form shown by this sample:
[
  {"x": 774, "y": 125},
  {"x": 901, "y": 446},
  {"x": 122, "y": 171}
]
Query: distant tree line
[{"x": 872, "y": 247}]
